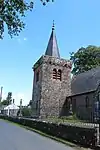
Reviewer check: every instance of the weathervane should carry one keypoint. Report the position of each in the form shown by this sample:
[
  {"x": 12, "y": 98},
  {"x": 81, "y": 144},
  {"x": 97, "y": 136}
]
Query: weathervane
[{"x": 53, "y": 26}]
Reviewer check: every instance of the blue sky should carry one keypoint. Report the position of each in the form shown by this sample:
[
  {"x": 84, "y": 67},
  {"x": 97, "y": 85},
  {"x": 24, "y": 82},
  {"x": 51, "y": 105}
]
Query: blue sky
[{"x": 77, "y": 24}]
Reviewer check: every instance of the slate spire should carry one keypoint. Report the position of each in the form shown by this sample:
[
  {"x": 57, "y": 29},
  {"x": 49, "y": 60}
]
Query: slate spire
[{"x": 52, "y": 48}]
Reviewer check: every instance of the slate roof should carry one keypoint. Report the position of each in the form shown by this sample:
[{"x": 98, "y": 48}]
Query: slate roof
[
  {"x": 86, "y": 82},
  {"x": 52, "y": 48}
]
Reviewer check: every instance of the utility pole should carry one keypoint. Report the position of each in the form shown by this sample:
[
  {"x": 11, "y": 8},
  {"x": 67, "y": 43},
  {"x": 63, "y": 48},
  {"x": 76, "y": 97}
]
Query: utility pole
[
  {"x": 20, "y": 114},
  {"x": 1, "y": 93}
]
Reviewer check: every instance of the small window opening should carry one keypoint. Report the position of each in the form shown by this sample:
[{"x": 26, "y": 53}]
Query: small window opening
[
  {"x": 54, "y": 74},
  {"x": 87, "y": 101},
  {"x": 37, "y": 105},
  {"x": 59, "y": 75},
  {"x": 37, "y": 76}
]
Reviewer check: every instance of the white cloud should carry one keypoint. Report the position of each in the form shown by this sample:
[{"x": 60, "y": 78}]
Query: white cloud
[
  {"x": 25, "y": 39},
  {"x": 20, "y": 40}
]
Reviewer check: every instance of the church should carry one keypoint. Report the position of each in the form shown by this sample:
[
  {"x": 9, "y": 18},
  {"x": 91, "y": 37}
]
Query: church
[{"x": 55, "y": 93}]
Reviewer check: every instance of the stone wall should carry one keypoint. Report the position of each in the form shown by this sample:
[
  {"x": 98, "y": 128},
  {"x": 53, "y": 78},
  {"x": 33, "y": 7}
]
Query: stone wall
[
  {"x": 85, "y": 135},
  {"x": 80, "y": 108}
]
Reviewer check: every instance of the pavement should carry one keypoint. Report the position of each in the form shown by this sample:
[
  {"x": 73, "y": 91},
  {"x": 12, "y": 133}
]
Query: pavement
[{"x": 13, "y": 137}]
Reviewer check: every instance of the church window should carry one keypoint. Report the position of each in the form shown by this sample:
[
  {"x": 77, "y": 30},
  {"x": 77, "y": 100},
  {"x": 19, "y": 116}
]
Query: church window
[
  {"x": 37, "y": 76},
  {"x": 59, "y": 74},
  {"x": 54, "y": 74},
  {"x": 99, "y": 96},
  {"x": 74, "y": 104},
  {"x": 87, "y": 101},
  {"x": 37, "y": 105},
  {"x": 50, "y": 62}
]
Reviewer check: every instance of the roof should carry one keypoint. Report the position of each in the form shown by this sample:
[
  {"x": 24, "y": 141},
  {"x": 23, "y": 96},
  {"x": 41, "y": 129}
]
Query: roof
[
  {"x": 52, "y": 48},
  {"x": 11, "y": 106},
  {"x": 86, "y": 82}
]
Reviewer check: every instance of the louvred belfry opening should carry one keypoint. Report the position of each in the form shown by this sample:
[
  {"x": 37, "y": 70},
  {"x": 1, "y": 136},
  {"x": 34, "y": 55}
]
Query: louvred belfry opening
[
  {"x": 54, "y": 74},
  {"x": 59, "y": 75}
]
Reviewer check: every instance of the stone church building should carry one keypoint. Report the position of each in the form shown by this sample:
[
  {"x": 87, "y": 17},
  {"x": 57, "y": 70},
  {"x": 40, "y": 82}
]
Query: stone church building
[{"x": 55, "y": 93}]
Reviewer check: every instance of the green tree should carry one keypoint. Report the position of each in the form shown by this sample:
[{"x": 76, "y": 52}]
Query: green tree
[
  {"x": 8, "y": 100},
  {"x": 5, "y": 102},
  {"x": 46, "y": 1},
  {"x": 12, "y": 13},
  {"x": 9, "y": 97},
  {"x": 30, "y": 103},
  {"x": 85, "y": 59},
  {"x": 26, "y": 112}
]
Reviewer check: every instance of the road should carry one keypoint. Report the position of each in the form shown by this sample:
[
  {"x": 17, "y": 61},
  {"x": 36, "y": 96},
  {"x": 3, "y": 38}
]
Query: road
[{"x": 13, "y": 137}]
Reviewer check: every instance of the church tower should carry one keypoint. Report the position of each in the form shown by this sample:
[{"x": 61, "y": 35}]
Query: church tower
[{"x": 52, "y": 81}]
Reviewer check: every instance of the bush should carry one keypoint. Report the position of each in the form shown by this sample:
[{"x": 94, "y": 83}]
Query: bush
[{"x": 26, "y": 112}]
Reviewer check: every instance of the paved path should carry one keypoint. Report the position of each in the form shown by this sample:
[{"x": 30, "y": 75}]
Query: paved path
[{"x": 13, "y": 137}]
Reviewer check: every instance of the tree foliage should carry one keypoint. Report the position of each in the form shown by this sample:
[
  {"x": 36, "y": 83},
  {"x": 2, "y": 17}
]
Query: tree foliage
[
  {"x": 26, "y": 112},
  {"x": 9, "y": 97},
  {"x": 12, "y": 13},
  {"x": 46, "y": 1},
  {"x": 30, "y": 103},
  {"x": 5, "y": 102},
  {"x": 85, "y": 59},
  {"x": 8, "y": 100}
]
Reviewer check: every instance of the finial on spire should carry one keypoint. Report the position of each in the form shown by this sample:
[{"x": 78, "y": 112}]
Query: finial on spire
[{"x": 53, "y": 26}]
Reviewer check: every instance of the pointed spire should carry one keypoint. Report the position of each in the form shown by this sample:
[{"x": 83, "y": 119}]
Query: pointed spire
[{"x": 52, "y": 48}]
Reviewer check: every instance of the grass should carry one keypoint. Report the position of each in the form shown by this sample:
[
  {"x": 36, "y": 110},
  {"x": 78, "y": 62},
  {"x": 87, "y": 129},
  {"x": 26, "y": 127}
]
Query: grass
[
  {"x": 69, "y": 119},
  {"x": 67, "y": 143}
]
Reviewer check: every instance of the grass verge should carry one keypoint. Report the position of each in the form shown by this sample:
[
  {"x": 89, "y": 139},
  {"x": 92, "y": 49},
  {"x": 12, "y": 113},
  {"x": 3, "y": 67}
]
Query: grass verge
[
  {"x": 67, "y": 143},
  {"x": 69, "y": 119}
]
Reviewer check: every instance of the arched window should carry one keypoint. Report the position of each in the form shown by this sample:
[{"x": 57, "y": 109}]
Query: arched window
[
  {"x": 37, "y": 76},
  {"x": 54, "y": 74},
  {"x": 36, "y": 104},
  {"x": 87, "y": 101},
  {"x": 59, "y": 74}
]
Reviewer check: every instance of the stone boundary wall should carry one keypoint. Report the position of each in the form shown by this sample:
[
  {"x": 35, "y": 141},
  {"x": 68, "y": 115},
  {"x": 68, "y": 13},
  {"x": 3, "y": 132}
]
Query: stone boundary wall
[{"x": 86, "y": 136}]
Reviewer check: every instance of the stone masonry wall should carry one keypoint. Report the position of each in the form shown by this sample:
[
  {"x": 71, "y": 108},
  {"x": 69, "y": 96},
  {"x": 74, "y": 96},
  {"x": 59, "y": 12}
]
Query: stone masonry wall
[
  {"x": 54, "y": 92},
  {"x": 36, "y": 94},
  {"x": 80, "y": 108}
]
